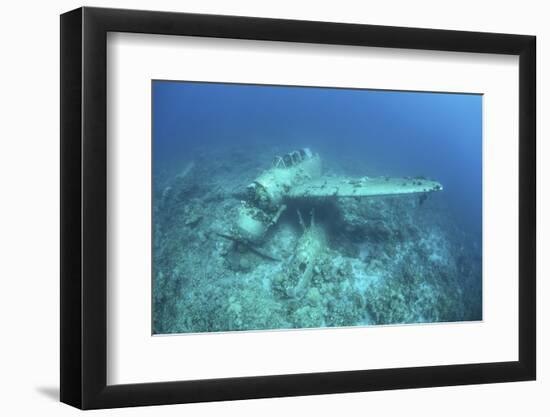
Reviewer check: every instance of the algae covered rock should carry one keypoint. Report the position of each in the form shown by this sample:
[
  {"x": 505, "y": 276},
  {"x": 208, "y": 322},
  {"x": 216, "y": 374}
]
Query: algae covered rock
[{"x": 347, "y": 262}]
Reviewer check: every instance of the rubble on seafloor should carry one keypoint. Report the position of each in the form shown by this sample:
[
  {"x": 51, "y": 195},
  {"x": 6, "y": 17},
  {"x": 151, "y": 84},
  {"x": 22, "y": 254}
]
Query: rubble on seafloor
[{"x": 333, "y": 263}]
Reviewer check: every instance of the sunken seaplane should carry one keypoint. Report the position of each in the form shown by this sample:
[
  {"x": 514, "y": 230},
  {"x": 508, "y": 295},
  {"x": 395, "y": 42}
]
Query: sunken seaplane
[{"x": 297, "y": 175}]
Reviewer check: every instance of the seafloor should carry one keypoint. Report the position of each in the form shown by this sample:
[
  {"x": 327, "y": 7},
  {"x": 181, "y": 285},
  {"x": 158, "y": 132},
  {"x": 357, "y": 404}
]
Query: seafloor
[{"x": 383, "y": 260}]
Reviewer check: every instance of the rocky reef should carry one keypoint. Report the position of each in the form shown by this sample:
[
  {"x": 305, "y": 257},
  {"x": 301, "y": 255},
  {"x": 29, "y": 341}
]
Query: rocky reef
[{"x": 338, "y": 262}]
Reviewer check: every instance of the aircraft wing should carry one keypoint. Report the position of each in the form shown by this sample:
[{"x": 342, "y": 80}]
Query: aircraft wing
[{"x": 362, "y": 187}]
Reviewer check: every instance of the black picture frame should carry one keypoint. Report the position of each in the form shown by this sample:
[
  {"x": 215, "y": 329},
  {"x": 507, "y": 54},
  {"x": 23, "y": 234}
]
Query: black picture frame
[{"x": 84, "y": 207}]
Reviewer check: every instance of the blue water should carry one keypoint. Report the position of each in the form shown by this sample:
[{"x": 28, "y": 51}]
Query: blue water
[
  {"x": 398, "y": 133},
  {"x": 367, "y": 132}
]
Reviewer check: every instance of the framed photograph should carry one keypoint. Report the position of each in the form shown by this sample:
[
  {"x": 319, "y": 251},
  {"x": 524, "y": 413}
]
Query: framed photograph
[{"x": 256, "y": 208}]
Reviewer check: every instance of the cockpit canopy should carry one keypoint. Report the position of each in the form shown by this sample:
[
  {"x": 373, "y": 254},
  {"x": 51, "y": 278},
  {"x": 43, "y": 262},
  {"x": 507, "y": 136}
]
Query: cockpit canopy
[{"x": 292, "y": 158}]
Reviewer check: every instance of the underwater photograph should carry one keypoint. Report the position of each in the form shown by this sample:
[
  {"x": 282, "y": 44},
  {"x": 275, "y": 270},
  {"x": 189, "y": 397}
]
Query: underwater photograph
[{"x": 296, "y": 207}]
